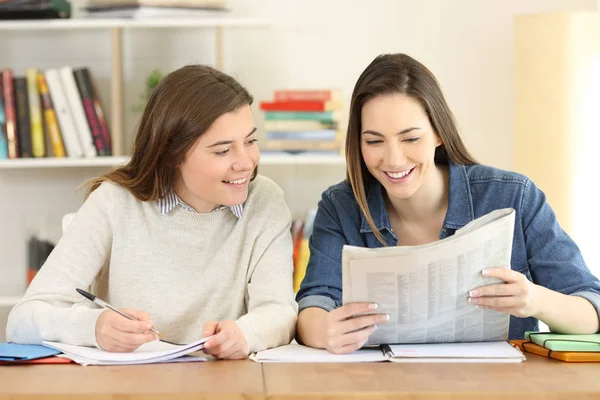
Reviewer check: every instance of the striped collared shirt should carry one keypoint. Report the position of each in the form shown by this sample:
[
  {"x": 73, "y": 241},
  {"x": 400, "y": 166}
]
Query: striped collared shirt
[{"x": 171, "y": 200}]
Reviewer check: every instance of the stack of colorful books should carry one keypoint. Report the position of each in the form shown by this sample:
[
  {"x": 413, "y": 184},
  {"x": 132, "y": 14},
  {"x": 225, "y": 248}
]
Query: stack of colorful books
[
  {"x": 568, "y": 348},
  {"x": 303, "y": 121}
]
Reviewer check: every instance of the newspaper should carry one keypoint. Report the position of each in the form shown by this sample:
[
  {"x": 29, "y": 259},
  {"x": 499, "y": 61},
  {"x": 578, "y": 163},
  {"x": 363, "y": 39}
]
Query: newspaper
[{"x": 425, "y": 289}]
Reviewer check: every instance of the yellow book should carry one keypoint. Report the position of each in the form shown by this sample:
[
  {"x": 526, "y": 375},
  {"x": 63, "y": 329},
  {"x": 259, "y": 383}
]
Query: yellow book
[
  {"x": 58, "y": 146},
  {"x": 301, "y": 264},
  {"x": 35, "y": 114}
]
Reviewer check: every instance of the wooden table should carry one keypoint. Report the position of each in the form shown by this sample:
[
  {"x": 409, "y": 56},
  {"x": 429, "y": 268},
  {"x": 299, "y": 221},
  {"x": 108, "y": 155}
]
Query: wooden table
[
  {"x": 538, "y": 377},
  {"x": 204, "y": 380}
]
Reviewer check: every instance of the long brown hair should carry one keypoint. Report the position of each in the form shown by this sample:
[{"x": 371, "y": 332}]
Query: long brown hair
[
  {"x": 181, "y": 108},
  {"x": 399, "y": 73}
]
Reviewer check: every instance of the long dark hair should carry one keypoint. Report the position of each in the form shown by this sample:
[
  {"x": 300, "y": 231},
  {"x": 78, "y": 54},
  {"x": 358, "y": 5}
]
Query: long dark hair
[
  {"x": 399, "y": 73},
  {"x": 181, "y": 108}
]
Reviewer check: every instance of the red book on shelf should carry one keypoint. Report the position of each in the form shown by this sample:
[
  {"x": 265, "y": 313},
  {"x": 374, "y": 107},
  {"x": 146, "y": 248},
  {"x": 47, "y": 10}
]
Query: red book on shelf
[
  {"x": 328, "y": 105},
  {"x": 307, "y": 95},
  {"x": 10, "y": 114}
]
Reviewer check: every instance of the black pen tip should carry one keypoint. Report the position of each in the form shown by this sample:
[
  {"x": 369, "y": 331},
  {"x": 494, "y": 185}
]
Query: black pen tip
[{"x": 86, "y": 294}]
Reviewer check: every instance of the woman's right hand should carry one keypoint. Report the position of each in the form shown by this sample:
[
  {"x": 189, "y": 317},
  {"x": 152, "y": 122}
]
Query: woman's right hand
[
  {"x": 347, "y": 328},
  {"x": 116, "y": 333}
]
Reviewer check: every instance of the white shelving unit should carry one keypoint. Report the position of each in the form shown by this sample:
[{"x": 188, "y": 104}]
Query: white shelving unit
[
  {"x": 115, "y": 161},
  {"x": 9, "y": 301},
  {"x": 116, "y": 27},
  {"x": 34, "y": 189}
]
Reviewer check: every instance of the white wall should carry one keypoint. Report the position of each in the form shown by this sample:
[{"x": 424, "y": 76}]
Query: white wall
[{"x": 468, "y": 44}]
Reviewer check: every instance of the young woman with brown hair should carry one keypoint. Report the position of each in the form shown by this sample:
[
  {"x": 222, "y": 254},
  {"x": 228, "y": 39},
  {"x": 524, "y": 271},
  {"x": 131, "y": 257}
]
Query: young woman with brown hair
[
  {"x": 411, "y": 181},
  {"x": 186, "y": 232}
]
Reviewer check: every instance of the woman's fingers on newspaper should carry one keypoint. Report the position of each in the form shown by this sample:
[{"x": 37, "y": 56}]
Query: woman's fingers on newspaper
[
  {"x": 356, "y": 323},
  {"x": 349, "y": 326},
  {"x": 351, "y": 310},
  {"x": 516, "y": 296}
]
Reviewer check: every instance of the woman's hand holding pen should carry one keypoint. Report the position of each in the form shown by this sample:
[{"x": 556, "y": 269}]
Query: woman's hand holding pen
[
  {"x": 228, "y": 341},
  {"x": 118, "y": 334},
  {"x": 517, "y": 296},
  {"x": 347, "y": 328}
]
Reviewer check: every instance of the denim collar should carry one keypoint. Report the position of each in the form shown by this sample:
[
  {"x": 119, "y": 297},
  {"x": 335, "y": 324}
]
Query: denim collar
[{"x": 460, "y": 203}]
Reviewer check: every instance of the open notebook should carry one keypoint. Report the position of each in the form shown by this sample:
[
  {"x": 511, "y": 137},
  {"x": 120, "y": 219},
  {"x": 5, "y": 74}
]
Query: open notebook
[
  {"x": 480, "y": 352},
  {"x": 153, "y": 352}
]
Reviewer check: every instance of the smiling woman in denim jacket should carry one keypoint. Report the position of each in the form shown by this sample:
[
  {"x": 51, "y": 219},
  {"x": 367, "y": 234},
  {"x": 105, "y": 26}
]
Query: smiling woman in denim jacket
[{"x": 410, "y": 181}]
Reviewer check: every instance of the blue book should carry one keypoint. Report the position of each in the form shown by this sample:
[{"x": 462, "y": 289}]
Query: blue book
[
  {"x": 324, "y": 134},
  {"x": 23, "y": 352}
]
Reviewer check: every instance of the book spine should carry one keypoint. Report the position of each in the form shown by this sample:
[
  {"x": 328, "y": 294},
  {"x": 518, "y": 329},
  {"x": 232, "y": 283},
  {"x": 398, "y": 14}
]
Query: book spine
[
  {"x": 303, "y": 95},
  {"x": 98, "y": 109},
  {"x": 301, "y": 145},
  {"x": 90, "y": 113},
  {"x": 328, "y": 134},
  {"x": 63, "y": 113},
  {"x": 23, "y": 119},
  {"x": 78, "y": 113},
  {"x": 54, "y": 134},
  {"x": 291, "y": 125},
  {"x": 298, "y": 106},
  {"x": 38, "y": 147},
  {"x": 10, "y": 114},
  {"x": 3, "y": 141},
  {"x": 327, "y": 116}
]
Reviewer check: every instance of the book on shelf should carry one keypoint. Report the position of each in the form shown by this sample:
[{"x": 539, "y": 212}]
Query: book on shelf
[
  {"x": 54, "y": 137},
  {"x": 325, "y": 116},
  {"x": 149, "y": 12},
  {"x": 38, "y": 146},
  {"x": 10, "y": 124},
  {"x": 34, "y": 9},
  {"x": 63, "y": 113},
  {"x": 307, "y": 95},
  {"x": 216, "y": 4},
  {"x": 22, "y": 114},
  {"x": 308, "y": 135},
  {"x": 82, "y": 128},
  {"x": 301, "y": 231},
  {"x": 318, "y": 106},
  {"x": 3, "y": 141},
  {"x": 302, "y": 145},
  {"x": 95, "y": 120},
  {"x": 299, "y": 125}
]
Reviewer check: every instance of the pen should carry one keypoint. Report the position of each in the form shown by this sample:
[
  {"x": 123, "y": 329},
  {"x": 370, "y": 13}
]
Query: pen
[{"x": 104, "y": 304}]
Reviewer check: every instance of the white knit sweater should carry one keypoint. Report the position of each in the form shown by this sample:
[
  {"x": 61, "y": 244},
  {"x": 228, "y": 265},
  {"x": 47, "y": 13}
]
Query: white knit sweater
[{"x": 183, "y": 268}]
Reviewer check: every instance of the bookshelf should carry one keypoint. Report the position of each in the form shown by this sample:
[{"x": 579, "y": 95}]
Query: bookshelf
[
  {"x": 115, "y": 161},
  {"x": 116, "y": 27}
]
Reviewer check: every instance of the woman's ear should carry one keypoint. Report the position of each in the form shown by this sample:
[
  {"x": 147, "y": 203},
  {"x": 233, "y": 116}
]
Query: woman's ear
[{"x": 438, "y": 140}]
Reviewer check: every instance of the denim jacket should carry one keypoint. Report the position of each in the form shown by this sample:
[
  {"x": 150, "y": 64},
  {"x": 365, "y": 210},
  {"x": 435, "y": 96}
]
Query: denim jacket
[{"x": 541, "y": 250}]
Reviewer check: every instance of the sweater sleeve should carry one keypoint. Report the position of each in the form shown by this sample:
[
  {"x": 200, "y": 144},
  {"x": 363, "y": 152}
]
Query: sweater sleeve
[
  {"x": 272, "y": 310},
  {"x": 51, "y": 308}
]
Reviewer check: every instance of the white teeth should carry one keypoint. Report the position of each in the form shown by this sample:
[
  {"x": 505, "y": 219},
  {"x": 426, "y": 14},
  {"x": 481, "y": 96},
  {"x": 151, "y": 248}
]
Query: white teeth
[
  {"x": 238, "y": 181},
  {"x": 398, "y": 175}
]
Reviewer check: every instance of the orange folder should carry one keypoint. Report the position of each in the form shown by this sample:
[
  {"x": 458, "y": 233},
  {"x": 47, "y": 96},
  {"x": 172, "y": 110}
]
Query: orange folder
[
  {"x": 566, "y": 356},
  {"x": 45, "y": 360}
]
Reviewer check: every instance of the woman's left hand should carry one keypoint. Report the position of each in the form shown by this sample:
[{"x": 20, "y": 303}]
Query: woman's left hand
[
  {"x": 517, "y": 296},
  {"x": 228, "y": 342}
]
